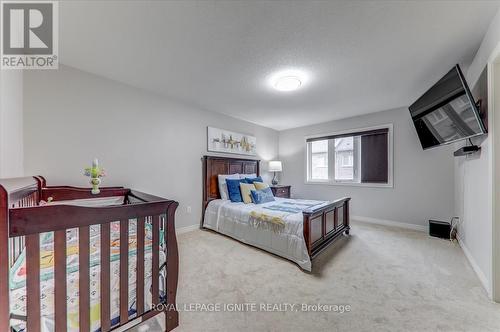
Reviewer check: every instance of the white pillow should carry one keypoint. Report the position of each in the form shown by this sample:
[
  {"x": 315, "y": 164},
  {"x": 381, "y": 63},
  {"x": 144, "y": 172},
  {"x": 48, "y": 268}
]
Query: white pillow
[
  {"x": 222, "y": 184},
  {"x": 244, "y": 176}
]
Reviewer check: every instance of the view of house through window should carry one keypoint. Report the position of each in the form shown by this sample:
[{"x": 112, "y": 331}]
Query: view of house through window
[
  {"x": 345, "y": 168},
  {"x": 359, "y": 157},
  {"x": 319, "y": 160}
]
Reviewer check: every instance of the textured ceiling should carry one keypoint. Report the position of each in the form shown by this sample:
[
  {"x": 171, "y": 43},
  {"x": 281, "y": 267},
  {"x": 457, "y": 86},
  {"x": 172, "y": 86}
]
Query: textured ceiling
[{"x": 360, "y": 56}]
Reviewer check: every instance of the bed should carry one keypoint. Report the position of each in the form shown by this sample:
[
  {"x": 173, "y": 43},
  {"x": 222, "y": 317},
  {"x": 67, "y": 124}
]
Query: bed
[
  {"x": 64, "y": 266},
  {"x": 310, "y": 226}
]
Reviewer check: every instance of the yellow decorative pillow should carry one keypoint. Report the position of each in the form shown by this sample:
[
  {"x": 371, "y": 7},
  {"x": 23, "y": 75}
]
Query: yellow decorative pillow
[
  {"x": 260, "y": 185},
  {"x": 245, "y": 189}
]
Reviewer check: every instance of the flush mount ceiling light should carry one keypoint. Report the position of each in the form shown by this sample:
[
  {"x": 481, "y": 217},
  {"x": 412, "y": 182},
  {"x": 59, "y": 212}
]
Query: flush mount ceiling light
[
  {"x": 288, "y": 83},
  {"x": 288, "y": 80}
]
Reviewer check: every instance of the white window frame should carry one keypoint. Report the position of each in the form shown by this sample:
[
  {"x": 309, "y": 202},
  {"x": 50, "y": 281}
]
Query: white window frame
[
  {"x": 331, "y": 160},
  {"x": 308, "y": 165}
]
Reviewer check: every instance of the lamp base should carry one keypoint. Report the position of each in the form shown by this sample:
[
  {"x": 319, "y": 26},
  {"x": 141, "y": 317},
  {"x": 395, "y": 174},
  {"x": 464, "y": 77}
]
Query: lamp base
[{"x": 274, "y": 181}]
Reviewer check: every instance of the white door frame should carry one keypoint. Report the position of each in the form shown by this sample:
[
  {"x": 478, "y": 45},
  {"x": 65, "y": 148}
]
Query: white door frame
[{"x": 493, "y": 128}]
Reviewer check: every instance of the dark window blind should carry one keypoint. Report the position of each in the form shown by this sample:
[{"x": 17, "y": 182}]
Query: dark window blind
[
  {"x": 374, "y": 158},
  {"x": 351, "y": 134}
]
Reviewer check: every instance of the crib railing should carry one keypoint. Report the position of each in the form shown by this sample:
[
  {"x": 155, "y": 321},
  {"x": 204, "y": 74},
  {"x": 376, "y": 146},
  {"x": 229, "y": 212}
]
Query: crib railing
[
  {"x": 17, "y": 244},
  {"x": 17, "y": 192},
  {"x": 28, "y": 222}
]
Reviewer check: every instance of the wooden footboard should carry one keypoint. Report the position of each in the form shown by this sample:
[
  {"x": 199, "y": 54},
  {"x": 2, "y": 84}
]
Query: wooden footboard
[
  {"x": 324, "y": 224},
  {"x": 21, "y": 217}
]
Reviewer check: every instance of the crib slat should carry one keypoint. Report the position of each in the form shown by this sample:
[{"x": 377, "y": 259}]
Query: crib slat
[
  {"x": 33, "y": 282},
  {"x": 84, "y": 276},
  {"x": 105, "y": 267},
  {"x": 60, "y": 280},
  {"x": 140, "y": 266},
  {"x": 156, "y": 259},
  {"x": 123, "y": 271}
]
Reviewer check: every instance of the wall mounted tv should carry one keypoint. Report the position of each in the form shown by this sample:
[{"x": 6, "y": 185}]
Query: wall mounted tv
[{"x": 447, "y": 113}]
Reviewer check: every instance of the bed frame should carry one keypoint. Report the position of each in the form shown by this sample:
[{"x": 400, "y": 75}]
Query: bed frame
[
  {"x": 322, "y": 225},
  {"x": 22, "y": 220}
]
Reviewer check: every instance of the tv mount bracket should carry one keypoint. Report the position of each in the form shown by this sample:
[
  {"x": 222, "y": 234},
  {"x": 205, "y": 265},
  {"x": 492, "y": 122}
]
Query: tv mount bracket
[{"x": 479, "y": 104}]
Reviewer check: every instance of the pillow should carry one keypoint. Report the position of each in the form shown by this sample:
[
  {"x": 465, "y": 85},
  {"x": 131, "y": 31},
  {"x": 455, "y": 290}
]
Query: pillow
[
  {"x": 262, "y": 196},
  {"x": 233, "y": 189},
  {"x": 245, "y": 189},
  {"x": 222, "y": 184},
  {"x": 244, "y": 176},
  {"x": 255, "y": 179},
  {"x": 260, "y": 185}
]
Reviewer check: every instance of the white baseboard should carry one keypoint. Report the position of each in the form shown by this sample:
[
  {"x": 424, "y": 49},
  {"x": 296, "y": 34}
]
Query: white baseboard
[
  {"x": 392, "y": 223},
  {"x": 187, "y": 229},
  {"x": 480, "y": 274}
]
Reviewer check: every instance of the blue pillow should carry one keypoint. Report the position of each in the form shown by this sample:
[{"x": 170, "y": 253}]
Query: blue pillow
[
  {"x": 262, "y": 196},
  {"x": 233, "y": 189},
  {"x": 252, "y": 180}
]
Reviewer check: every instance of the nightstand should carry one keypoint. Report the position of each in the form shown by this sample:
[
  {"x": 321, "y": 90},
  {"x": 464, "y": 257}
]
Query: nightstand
[{"x": 281, "y": 191}]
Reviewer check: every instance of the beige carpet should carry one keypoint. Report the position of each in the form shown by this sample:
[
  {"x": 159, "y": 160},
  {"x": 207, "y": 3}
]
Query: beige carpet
[{"x": 393, "y": 279}]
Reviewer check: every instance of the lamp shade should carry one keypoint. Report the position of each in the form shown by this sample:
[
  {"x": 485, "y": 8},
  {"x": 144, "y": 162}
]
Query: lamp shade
[{"x": 275, "y": 166}]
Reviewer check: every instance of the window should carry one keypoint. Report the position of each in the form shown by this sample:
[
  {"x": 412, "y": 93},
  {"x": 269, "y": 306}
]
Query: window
[
  {"x": 361, "y": 157},
  {"x": 319, "y": 160},
  {"x": 346, "y": 150}
]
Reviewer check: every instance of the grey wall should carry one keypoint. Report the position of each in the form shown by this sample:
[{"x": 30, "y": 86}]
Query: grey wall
[
  {"x": 144, "y": 141},
  {"x": 473, "y": 177},
  {"x": 488, "y": 44},
  {"x": 423, "y": 180},
  {"x": 11, "y": 123}
]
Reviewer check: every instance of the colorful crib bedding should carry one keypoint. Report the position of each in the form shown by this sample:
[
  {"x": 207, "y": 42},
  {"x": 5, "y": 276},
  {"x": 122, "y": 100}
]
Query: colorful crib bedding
[{"x": 18, "y": 277}]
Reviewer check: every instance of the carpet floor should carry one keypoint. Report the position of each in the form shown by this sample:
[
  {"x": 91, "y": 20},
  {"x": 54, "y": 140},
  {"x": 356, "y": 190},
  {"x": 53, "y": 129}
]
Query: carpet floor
[{"x": 391, "y": 280}]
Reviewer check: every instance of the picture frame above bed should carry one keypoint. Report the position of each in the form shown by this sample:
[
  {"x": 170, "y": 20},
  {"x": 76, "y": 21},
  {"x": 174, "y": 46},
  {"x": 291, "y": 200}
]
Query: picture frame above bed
[{"x": 225, "y": 141}]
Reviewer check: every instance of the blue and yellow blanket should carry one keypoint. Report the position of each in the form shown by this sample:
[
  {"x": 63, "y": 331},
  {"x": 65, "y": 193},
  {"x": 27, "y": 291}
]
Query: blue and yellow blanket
[{"x": 273, "y": 216}]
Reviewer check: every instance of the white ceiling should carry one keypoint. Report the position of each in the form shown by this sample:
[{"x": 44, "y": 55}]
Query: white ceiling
[{"x": 361, "y": 56}]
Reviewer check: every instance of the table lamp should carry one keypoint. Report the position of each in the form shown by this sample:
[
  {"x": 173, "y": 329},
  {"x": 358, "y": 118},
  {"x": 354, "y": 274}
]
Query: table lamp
[{"x": 275, "y": 166}]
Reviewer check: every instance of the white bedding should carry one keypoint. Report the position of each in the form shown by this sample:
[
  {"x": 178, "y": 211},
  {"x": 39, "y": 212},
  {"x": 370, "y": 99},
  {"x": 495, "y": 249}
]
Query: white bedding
[{"x": 233, "y": 219}]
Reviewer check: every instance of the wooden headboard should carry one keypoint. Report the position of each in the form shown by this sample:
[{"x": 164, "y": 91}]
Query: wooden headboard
[{"x": 213, "y": 166}]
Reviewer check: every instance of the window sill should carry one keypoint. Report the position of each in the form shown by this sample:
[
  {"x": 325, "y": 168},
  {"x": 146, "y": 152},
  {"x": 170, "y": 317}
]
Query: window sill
[{"x": 351, "y": 184}]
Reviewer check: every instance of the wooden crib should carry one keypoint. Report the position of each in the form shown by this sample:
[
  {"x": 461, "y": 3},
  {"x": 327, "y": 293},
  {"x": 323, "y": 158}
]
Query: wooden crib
[{"x": 23, "y": 219}]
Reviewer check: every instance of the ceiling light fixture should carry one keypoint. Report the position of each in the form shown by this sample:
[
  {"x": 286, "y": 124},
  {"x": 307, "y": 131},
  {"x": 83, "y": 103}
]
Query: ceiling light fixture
[
  {"x": 287, "y": 83},
  {"x": 288, "y": 80}
]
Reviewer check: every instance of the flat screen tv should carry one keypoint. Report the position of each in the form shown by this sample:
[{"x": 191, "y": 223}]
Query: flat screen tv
[{"x": 447, "y": 112}]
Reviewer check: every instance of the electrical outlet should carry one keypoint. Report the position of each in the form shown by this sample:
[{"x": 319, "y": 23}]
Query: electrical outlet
[{"x": 189, "y": 210}]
